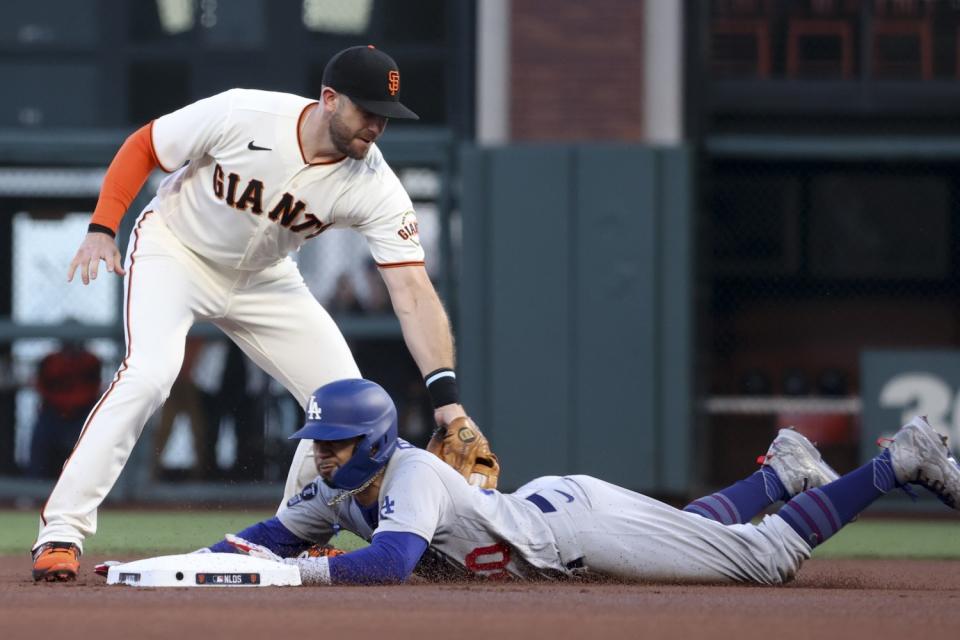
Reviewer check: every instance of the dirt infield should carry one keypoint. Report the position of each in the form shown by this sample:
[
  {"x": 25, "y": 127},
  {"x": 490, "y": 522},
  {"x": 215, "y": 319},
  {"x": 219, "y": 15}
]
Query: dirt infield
[{"x": 830, "y": 599}]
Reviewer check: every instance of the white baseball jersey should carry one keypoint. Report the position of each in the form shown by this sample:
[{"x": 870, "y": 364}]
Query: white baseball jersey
[
  {"x": 247, "y": 198},
  {"x": 551, "y": 527}
]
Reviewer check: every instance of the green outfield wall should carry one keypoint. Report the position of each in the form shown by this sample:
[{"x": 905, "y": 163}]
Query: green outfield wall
[{"x": 575, "y": 310}]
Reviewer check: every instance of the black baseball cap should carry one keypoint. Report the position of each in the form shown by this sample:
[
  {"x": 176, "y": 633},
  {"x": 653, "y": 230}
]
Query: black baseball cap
[{"x": 370, "y": 78}]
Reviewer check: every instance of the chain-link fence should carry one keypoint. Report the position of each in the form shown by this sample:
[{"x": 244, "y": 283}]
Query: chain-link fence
[{"x": 808, "y": 265}]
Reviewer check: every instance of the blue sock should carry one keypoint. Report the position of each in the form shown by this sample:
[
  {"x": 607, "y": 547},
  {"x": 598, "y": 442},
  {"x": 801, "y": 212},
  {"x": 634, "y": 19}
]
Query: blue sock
[
  {"x": 818, "y": 514},
  {"x": 740, "y": 502}
]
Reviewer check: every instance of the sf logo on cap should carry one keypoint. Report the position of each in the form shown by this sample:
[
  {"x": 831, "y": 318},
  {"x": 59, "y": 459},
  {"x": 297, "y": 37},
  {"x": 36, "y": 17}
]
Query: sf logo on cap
[
  {"x": 393, "y": 81},
  {"x": 313, "y": 411}
]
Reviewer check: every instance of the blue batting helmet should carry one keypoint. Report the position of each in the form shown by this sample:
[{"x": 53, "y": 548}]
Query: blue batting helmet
[{"x": 347, "y": 409}]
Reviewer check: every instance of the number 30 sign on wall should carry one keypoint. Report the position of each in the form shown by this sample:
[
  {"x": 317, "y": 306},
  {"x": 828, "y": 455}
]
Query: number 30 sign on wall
[{"x": 898, "y": 385}]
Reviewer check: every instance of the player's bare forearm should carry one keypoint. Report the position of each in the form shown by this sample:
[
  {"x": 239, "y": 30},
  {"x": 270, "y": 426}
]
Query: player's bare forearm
[
  {"x": 425, "y": 326},
  {"x": 94, "y": 248},
  {"x": 426, "y": 329}
]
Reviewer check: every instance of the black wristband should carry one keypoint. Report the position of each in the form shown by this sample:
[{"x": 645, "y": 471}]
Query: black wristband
[
  {"x": 442, "y": 387},
  {"x": 99, "y": 228}
]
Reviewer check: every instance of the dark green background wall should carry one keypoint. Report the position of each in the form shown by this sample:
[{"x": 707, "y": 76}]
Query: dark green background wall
[{"x": 575, "y": 310}]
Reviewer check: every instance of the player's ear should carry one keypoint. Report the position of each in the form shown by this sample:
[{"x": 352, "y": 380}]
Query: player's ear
[{"x": 329, "y": 99}]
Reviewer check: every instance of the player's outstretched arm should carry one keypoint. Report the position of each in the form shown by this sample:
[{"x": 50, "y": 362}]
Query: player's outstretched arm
[
  {"x": 125, "y": 176},
  {"x": 426, "y": 328},
  {"x": 95, "y": 247},
  {"x": 389, "y": 559}
]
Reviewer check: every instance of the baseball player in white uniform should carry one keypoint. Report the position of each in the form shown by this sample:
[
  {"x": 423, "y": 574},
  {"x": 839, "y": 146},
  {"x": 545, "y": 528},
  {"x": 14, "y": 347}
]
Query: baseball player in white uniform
[
  {"x": 419, "y": 513},
  {"x": 253, "y": 175}
]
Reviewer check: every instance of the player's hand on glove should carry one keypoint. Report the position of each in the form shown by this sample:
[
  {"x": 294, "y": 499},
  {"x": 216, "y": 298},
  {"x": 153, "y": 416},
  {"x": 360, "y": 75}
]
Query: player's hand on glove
[
  {"x": 251, "y": 548},
  {"x": 461, "y": 445},
  {"x": 94, "y": 248},
  {"x": 448, "y": 413}
]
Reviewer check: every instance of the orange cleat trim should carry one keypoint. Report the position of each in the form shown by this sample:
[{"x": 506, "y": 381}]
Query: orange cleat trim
[{"x": 56, "y": 562}]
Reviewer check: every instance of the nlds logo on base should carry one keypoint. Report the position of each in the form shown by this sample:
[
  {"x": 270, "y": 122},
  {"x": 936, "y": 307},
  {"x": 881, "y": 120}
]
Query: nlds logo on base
[
  {"x": 313, "y": 410},
  {"x": 227, "y": 578}
]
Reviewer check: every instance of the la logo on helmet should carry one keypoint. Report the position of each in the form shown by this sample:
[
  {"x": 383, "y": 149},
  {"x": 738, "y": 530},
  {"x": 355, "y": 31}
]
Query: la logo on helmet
[{"x": 313, "y": 410}]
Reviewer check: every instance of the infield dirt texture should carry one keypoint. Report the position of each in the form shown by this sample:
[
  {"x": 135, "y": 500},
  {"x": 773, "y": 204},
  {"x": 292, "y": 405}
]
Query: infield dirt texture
[
  {"x": 913, "y": 593},
  {"x": 831, "y": 598}
]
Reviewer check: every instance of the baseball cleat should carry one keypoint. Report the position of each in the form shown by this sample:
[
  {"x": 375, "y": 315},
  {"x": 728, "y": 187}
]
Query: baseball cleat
[
  {"x": 56, "y": 562},
  {"x": 797, "y": 462},
  {"x": 920, "y": 455}
]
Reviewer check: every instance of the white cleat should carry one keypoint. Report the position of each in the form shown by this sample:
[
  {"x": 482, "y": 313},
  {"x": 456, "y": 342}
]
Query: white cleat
[
  {"x": 797, "y": 462},
  {"x": 920, "y": 456}
]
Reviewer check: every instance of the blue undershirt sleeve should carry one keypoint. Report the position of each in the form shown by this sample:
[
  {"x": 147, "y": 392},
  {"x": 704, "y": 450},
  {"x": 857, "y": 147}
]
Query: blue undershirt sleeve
[
  {"x": 391, "y": 557},
  {"x": 270, "y": 534}
]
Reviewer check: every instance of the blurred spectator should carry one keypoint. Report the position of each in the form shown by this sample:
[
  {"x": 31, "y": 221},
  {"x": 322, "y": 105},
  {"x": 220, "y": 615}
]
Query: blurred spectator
[
  {"x": 378, "y": 298},
  {"x": 68, "y": 383},
  {"x": 240, "y": 397},
  {"x": 755, "y": 383},
  {"x": 832, "y": 382},
  {"x": 344, "y": 299},
  {"x": 219, "y": 390},
  {"x": 795, "y": 383},
  {"x": 233, "y": 392},
  {"x": 184, "y": 400}
]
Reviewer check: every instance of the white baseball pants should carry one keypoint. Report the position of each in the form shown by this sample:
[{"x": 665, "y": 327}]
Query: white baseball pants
[{"x": 270, "y": 314}]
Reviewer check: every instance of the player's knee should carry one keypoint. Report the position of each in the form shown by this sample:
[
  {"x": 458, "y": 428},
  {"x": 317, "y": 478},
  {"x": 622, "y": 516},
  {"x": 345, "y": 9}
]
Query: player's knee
[
  {"x": 780, "y": 551},
  {"x": 151, "y": 381}
]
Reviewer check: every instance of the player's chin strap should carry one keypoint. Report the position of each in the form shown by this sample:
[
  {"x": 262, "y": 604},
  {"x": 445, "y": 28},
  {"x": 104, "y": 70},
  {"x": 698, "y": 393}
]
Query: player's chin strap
[{"x": 349, "y": 493}]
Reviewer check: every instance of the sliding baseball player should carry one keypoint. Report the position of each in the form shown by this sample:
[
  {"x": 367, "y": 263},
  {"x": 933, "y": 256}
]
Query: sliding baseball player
[{"x": 419, "y": 514}]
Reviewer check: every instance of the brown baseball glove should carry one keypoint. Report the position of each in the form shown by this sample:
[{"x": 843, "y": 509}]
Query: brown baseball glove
[{"x": 461, "y": 445}]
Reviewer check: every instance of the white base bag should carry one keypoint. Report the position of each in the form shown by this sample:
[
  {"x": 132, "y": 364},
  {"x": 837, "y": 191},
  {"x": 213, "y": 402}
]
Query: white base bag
[{"x": 204, "y": 570}]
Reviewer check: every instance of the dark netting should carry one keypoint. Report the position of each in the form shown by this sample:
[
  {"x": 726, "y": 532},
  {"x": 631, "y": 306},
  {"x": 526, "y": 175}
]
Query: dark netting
[
  {"x": 809, "y": 264},
  {"x": 826, "y": 224}
]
